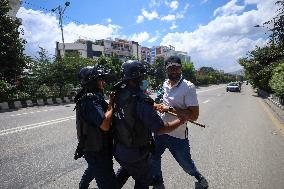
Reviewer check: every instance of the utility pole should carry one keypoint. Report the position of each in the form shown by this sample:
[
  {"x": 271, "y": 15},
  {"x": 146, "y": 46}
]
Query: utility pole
[{"x": 61, "y": 11}]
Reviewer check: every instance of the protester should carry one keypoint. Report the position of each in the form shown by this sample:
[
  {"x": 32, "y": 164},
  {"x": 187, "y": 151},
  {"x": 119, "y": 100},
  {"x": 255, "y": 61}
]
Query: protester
[{"x": 179, "y": 97}]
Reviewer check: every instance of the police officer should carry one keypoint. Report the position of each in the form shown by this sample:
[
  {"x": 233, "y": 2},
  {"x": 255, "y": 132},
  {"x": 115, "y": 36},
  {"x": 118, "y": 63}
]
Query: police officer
[
  {"x": 93, "y": 117},
  {"x": 134, "y": 121}
]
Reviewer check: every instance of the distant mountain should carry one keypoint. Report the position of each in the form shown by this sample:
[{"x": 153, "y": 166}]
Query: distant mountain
[{"x": 239, "y": 72}]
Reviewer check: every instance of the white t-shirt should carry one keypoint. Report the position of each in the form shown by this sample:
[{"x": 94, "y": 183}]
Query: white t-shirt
[{"x": 181, "y": 95}]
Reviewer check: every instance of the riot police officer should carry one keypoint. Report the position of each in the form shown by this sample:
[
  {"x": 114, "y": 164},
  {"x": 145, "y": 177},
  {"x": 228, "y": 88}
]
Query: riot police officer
[
  {"x": 93, "y": 117},
  {"x": 134, "y": 120}
]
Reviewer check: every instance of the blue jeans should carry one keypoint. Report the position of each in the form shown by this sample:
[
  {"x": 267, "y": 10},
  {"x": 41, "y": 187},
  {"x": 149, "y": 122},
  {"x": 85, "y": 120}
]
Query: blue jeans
[
  {"x": 179, "y": 148},
  {"x": 100, "y": 167}
]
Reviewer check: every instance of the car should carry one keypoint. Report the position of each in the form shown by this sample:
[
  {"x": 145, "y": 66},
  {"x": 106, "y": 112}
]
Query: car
[{"x": 233, "y": 87}]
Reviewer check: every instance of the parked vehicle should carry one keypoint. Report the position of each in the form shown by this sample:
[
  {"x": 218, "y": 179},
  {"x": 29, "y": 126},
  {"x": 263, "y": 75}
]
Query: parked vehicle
[{"x": 233, "y": 87}]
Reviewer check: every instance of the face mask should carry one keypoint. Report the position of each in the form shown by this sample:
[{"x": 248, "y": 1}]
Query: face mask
[{"x": 144, "y": 85}]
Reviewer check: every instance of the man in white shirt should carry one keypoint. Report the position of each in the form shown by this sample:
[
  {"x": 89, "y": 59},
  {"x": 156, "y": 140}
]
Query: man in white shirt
[{"x": 180, "y": 98}]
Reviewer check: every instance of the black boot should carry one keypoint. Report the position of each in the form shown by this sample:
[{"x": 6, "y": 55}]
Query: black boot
[{"x": 202, "y": 182}]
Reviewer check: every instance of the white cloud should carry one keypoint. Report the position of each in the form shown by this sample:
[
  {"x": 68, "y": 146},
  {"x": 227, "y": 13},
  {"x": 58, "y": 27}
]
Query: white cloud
[
  {"x": 140, "y": 37},
  {"x": 230, "y": 8},
  {"x": 155, "y": 3},
  {"x": 173, "y": 5},
  {"x": 140, "y": 19},
  {"x": 150, "y": 16},
  {"x": 173, "y": 26},
  {"x": 169, "y": 17},
  {"x": 41, "y": 29},
  {"x": 204, "y": 1},
  {"x": 155, "y": 38},
  {"x": 186, "y": 6},
  {"x": 109, "y": 20},
  {"x": 225, "y": 39}
]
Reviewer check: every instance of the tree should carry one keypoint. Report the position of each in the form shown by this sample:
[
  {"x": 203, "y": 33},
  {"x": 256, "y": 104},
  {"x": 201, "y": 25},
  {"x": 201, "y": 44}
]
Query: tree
[
  {"x": 277, "y": 80},
  {"x": 11, "y": 45},
  {"x": 259, "y": 64},
  {"x": 188, "y": 71},
  {"x": 159, "y": 72}
]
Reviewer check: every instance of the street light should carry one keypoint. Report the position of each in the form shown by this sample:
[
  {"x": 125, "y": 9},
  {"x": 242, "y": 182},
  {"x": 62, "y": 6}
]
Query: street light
[{"x": 61, "y": 13}]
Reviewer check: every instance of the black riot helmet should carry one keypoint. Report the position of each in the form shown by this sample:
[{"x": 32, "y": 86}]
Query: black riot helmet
[
  {"x": 132, "y": 69},
  {"x": 89, "y": 75}
]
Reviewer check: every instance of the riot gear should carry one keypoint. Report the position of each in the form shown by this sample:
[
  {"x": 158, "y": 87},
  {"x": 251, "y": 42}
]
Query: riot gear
[
  {"x": 132, "y": 69},
  {"x": 90, "y": 74},
  {"x": 128, "y": 129}
]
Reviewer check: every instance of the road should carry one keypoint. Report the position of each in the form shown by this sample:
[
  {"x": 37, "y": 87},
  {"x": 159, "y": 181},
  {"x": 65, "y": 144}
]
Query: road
[{"x": 241, "y": 148}]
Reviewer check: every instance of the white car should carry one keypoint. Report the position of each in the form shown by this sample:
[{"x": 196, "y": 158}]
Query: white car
[{"x": 233, "y": 87}]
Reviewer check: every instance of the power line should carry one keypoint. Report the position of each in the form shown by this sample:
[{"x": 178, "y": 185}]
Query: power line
[{"x": 50, "y": 10}]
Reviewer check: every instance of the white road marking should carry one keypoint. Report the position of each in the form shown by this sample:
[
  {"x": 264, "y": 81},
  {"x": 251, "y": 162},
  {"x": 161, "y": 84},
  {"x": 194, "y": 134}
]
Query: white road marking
[
  {"x": 25, "y": 113},
  {"x": 34, "y": 125},
  {"x": 206, "y": 101}
]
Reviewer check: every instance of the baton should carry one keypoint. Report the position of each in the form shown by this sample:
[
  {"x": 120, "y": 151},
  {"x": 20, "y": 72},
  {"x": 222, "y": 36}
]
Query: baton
[{"x": 194, "y": 122}]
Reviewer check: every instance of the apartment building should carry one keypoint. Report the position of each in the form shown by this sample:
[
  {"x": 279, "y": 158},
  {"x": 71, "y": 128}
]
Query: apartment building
[
  {"x": 162, "y": 51},
  {"x": 146, "y": 54},
  {"x": 84, "y": 48},
  {"x": 122, "y": 48},
  {"x": 166, "y": 52}
]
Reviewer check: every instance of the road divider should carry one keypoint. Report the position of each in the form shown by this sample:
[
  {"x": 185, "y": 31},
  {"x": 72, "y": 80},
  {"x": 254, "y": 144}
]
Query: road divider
[{"x": 34, "y": 125}]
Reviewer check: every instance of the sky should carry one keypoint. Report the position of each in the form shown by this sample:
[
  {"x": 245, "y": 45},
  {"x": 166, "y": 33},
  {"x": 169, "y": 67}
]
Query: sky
[{"x": 214, "y": 33}]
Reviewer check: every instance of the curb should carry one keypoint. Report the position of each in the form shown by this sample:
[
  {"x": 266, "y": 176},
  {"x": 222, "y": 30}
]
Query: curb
[
  {"x": 276, "y": 103},
  {"x": 270, "y": 98},
  {"x": 5, "y": 106}
]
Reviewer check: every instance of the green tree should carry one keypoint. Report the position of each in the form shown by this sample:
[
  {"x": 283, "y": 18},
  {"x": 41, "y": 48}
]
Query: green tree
[
  {"x": 188, "y": 71},
  {"x": 259, "y": 65},
  {"x": 11, "y": 45},
  {"x": 159, "y": 72},
  {"x": 277, "y": 80}
]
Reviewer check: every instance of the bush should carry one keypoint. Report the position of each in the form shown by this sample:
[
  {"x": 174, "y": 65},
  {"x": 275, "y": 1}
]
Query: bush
[
  {"x": 20, "y": 95},
  {"x": 6, "y": 91},
  {"x": 277, "y": 80},
  {"x": 67, "y": 89},
  {"x": 43, "y": 92}
]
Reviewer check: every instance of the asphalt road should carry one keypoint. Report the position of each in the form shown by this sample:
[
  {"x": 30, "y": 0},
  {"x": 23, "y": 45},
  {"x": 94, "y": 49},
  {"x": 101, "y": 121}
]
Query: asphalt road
[{"x": 242, "y": 147}]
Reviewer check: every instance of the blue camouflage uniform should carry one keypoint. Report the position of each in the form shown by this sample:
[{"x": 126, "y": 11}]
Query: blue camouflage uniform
[
  {"x": 135, "y": 161},
  {"x": 99, "y": 158}
]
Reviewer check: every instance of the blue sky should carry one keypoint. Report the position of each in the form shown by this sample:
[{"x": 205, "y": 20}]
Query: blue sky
[{"x": 214, "y": 32}]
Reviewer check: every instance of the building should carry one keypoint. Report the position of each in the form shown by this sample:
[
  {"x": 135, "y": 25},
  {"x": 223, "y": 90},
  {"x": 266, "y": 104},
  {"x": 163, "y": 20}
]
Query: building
[
  {"x": 162, "y": 51},
  {"x": 122, "y": 48},
  {"x": 183, "y": 56},
  {"x": 146, "y": 54},
  {"x": 84, "y": 48}
]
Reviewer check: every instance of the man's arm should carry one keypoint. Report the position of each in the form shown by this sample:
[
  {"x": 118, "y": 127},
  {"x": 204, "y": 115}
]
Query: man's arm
[
  {"x": 108, "y": 115},
  {"x": 191, "y": 113},
  {"x": 170, "y": 126}
]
